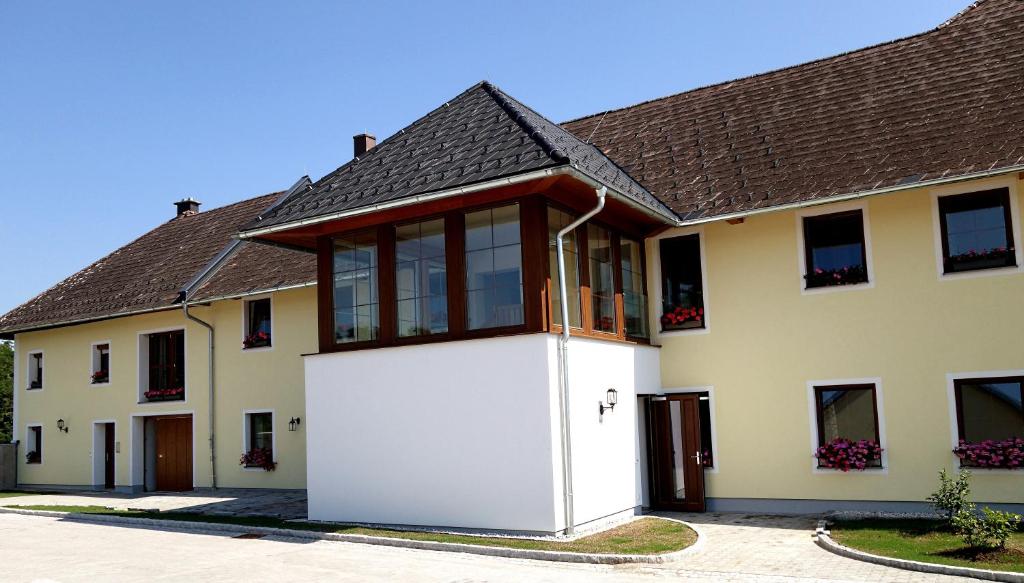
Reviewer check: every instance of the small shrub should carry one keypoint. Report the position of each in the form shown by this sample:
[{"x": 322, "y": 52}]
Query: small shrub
[
  {"x": 989, "y": 531},
  {"x": 950, "y": 499}
]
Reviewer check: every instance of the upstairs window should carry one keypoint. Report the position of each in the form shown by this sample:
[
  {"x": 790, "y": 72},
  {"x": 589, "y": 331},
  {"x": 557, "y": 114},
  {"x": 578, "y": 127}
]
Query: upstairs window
[
  {"x": 602, "y": 278},
  {"x": 164, "y": 355},
  {"x": 989, "y": 409},
  {"x": 35, "y": 370},
  {"x": 257, "y": 324},
  {"x": 847, "y": 412},
  {"x": 356, "y": 303},
  {"x": 34, "y": 445},
  {"x": 834, "y": 250},
  {"x": 977, "y": 231},
  {"x": 558, "y": 220},
  {"x": 100, "y": 364},
  {"x": 682, "y": 285},
  {"x": 494, "y": 268},
  {"x": 634, "y": 298},
  {"x": 421, "y": 278}
]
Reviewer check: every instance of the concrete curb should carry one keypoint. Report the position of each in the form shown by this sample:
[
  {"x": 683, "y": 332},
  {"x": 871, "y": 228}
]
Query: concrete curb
[
  {"x": 824, "y": 539},
  {"x": 220, "y": 528}
]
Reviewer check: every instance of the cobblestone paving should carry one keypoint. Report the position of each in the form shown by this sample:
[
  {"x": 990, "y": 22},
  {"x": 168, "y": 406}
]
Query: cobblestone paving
[{"x": 286, "y": 504}]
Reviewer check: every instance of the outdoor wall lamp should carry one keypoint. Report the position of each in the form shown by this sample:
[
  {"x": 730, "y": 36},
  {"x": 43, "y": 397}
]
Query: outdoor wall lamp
[
  {"x": 294, "y": 423},
  {"x": 61, "y": 426},
  {"x": 612, "y": 397}
]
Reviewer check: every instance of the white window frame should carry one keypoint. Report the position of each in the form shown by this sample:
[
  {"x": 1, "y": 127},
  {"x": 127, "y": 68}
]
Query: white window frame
[
  {"x": 94, "y": 362},
  {"x": 245, "y": 322},
  {"x": 98, "y": 465},
  {"x": 28, "y": 434},
  {"x": 29, "y": 369},
  {"x": 883, "y": 441},
  {"x": 801, "y": 242},
  {"x": 710, "y": 390},
  {"x": 954, "y": 428},
  {"x": 1008, "y": 182},
  {"x": 654, "y": 283},
  {"x": 245, "y": 434},
  {"x": 142, "y": 366}
]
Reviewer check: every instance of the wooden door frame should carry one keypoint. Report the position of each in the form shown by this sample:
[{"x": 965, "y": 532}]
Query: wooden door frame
[{"x": 653, "y": 464}]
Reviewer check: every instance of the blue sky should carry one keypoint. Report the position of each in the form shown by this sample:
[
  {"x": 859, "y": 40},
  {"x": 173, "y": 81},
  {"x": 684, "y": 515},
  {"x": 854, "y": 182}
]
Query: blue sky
[{"x": 110, "y": 112}]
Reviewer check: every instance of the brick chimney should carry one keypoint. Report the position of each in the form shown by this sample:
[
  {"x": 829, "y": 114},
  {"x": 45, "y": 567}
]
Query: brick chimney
[
  {"x": 363, "y": 143},
  {"x": 187, "y": 207}
]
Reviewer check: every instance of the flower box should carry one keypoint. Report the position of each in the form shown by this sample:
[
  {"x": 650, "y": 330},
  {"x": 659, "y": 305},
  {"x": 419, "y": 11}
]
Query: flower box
[
  {"x": 257, "y": 340},
  {"x": 33, "y": 457},
  {"x": 845, "y": 455},
  {"x": 176, "y": 394},
  {"x": 258, "y": 458},
  {"x": 1007, "y": 454},
  {"x": 100, "y": 377},
  {"x": 36, "y": 385},
  {"x": 850, "y": 275},
  {"x": 679, "y": 318},
  {"x": 984, "y": 259}
]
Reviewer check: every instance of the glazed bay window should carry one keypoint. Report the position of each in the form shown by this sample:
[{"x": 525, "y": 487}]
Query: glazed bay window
[
  {"x": 164, "y": 356},
  {"x": 421, "y": 278},
  {"x": 682, "y": 286},
  {"x": 834, "y": 250},
  {"x": 990, "y": 422},
  {"x": 356, "y": 316},
  {"x": 494, "y": 268},
  {"x": 634, "y": 298},
  {"x": 558, "y": 220},
  {"x": 977, "y": 231},
  {"x": 847, "y": 413},
  {"x": 602, "y": 278},
  {"x": 257, "y": 324}
]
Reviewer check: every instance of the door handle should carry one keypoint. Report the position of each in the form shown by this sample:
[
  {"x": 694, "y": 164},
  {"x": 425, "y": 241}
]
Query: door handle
[{"x": 697, "y": 457}]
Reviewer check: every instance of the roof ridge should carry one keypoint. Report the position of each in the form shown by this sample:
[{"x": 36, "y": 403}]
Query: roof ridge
[
  {"x": 505, "y": 101},
  {"x": 781, "y": 69}
]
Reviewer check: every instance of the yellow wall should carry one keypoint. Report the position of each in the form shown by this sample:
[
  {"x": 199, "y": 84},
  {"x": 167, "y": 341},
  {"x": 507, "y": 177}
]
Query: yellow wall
[
  {"x": 261, "y": 379},
  {"x": 766, "y": 340}
]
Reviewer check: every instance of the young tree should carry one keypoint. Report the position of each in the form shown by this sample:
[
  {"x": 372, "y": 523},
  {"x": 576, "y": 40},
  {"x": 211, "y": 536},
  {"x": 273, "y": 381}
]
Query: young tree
[{"x": 6, "y": 391}]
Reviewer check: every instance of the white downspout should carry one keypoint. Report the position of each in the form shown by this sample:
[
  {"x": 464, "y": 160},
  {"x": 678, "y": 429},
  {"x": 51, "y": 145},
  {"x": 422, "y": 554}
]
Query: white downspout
[{"x": 563, "y": 362}]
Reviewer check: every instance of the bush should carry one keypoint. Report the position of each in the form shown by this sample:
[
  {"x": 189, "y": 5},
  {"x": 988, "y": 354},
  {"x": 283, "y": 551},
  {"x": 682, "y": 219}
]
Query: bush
[
  {"x": 950, "y": 499},
  {"x": 989, "y": 531}
]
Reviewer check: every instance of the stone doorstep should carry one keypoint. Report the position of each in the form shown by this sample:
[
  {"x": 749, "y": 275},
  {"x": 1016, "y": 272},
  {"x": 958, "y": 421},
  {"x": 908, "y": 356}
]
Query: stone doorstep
[
  {"x": 556, "y": 556},
  {"x": 823, "y": 538}
]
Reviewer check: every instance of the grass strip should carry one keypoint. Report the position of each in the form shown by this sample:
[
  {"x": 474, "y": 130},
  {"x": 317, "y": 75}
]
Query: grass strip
[
  {"x": 646, "y": 536},
  {"x": 927, "y": 541}
]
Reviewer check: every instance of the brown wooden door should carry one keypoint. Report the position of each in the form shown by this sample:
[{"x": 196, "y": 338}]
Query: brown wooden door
[
  {"x": 173, "y": 453},
  {"x": 677, "y": 471},
  {"x": 108, "y": 452}
]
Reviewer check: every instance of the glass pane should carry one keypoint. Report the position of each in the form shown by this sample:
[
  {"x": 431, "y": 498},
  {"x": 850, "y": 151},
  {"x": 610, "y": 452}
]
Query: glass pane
[
  {"x": 602, "y": 278},
  {"x": 847, "y": 413},
  {"x": 682, "y": 287},
  {"x": 494, "y": 279},
  {"x": 355, "y": 288},
  {"x": 421, "y": 278},
  {"x": 991, "y": 410},
  {"x": 261, "y": 431},
  {"x": 678, "y": 451},
  {"x": 633, "y": 296},
  {"x": 557, "y": 220},
  {"x": 835, "y": 249}
]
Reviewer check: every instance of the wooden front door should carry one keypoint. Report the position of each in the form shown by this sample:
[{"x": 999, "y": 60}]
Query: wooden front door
[
  {"x": 108, "y": 453},
  {"x": 677, "y": 471},
  {"x": 173, "y": 453}
]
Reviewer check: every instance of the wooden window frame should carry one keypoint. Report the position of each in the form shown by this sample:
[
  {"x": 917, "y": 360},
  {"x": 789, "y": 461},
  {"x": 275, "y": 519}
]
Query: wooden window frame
[
  {"x": 171, "y": 368},
  {"x": 944, "y": 203},
  {"x": 819, "y": 411},
  {"x": 251, "y": 433},
  {"x": 809, "y": 248},
  {"x": 247, "y": 321},
  {"x": 958, "y": 384}
]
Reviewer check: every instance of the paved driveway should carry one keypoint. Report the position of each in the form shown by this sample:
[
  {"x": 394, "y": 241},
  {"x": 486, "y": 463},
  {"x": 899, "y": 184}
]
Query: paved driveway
[
  {"x": 737, "y": 548},
  {"x": 224, "y": 501}
]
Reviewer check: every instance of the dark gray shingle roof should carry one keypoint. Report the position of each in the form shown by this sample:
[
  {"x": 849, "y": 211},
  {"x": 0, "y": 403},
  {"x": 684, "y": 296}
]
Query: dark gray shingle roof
[{"x": 482, "y": 134}]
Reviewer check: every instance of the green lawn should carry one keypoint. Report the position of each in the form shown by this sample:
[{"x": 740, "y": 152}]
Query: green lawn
[
  {"x": 12, "y": 494},
  {"x": 928, "y": 541},
  {"x": 646, "y": 536}
]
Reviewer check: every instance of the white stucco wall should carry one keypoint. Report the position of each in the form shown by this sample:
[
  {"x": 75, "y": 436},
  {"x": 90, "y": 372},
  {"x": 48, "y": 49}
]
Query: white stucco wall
[
  {"x": 606, "y": 455},
  {"x": 451, "y": 434}
]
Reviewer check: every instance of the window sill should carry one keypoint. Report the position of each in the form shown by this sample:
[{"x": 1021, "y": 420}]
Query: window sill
[
  {"x": 158, "y": 401},
  {"x": 33, "y": 388},
  {"x": 99, "y": 385},
  {"x": 824, "y": 289},
  {"x": 256, "y": 469},
  {"x": 980, "y": 272},
  {"x": 684, "y": 332},
  {"x": 265, "y": 348}
]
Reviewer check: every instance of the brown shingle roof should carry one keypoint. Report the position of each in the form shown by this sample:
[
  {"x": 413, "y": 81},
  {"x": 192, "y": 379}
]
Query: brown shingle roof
[
  {"x": 149, "y": 273},
  {"x": 947, "y": 102},
  {"x": 256, "y": 267}
]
